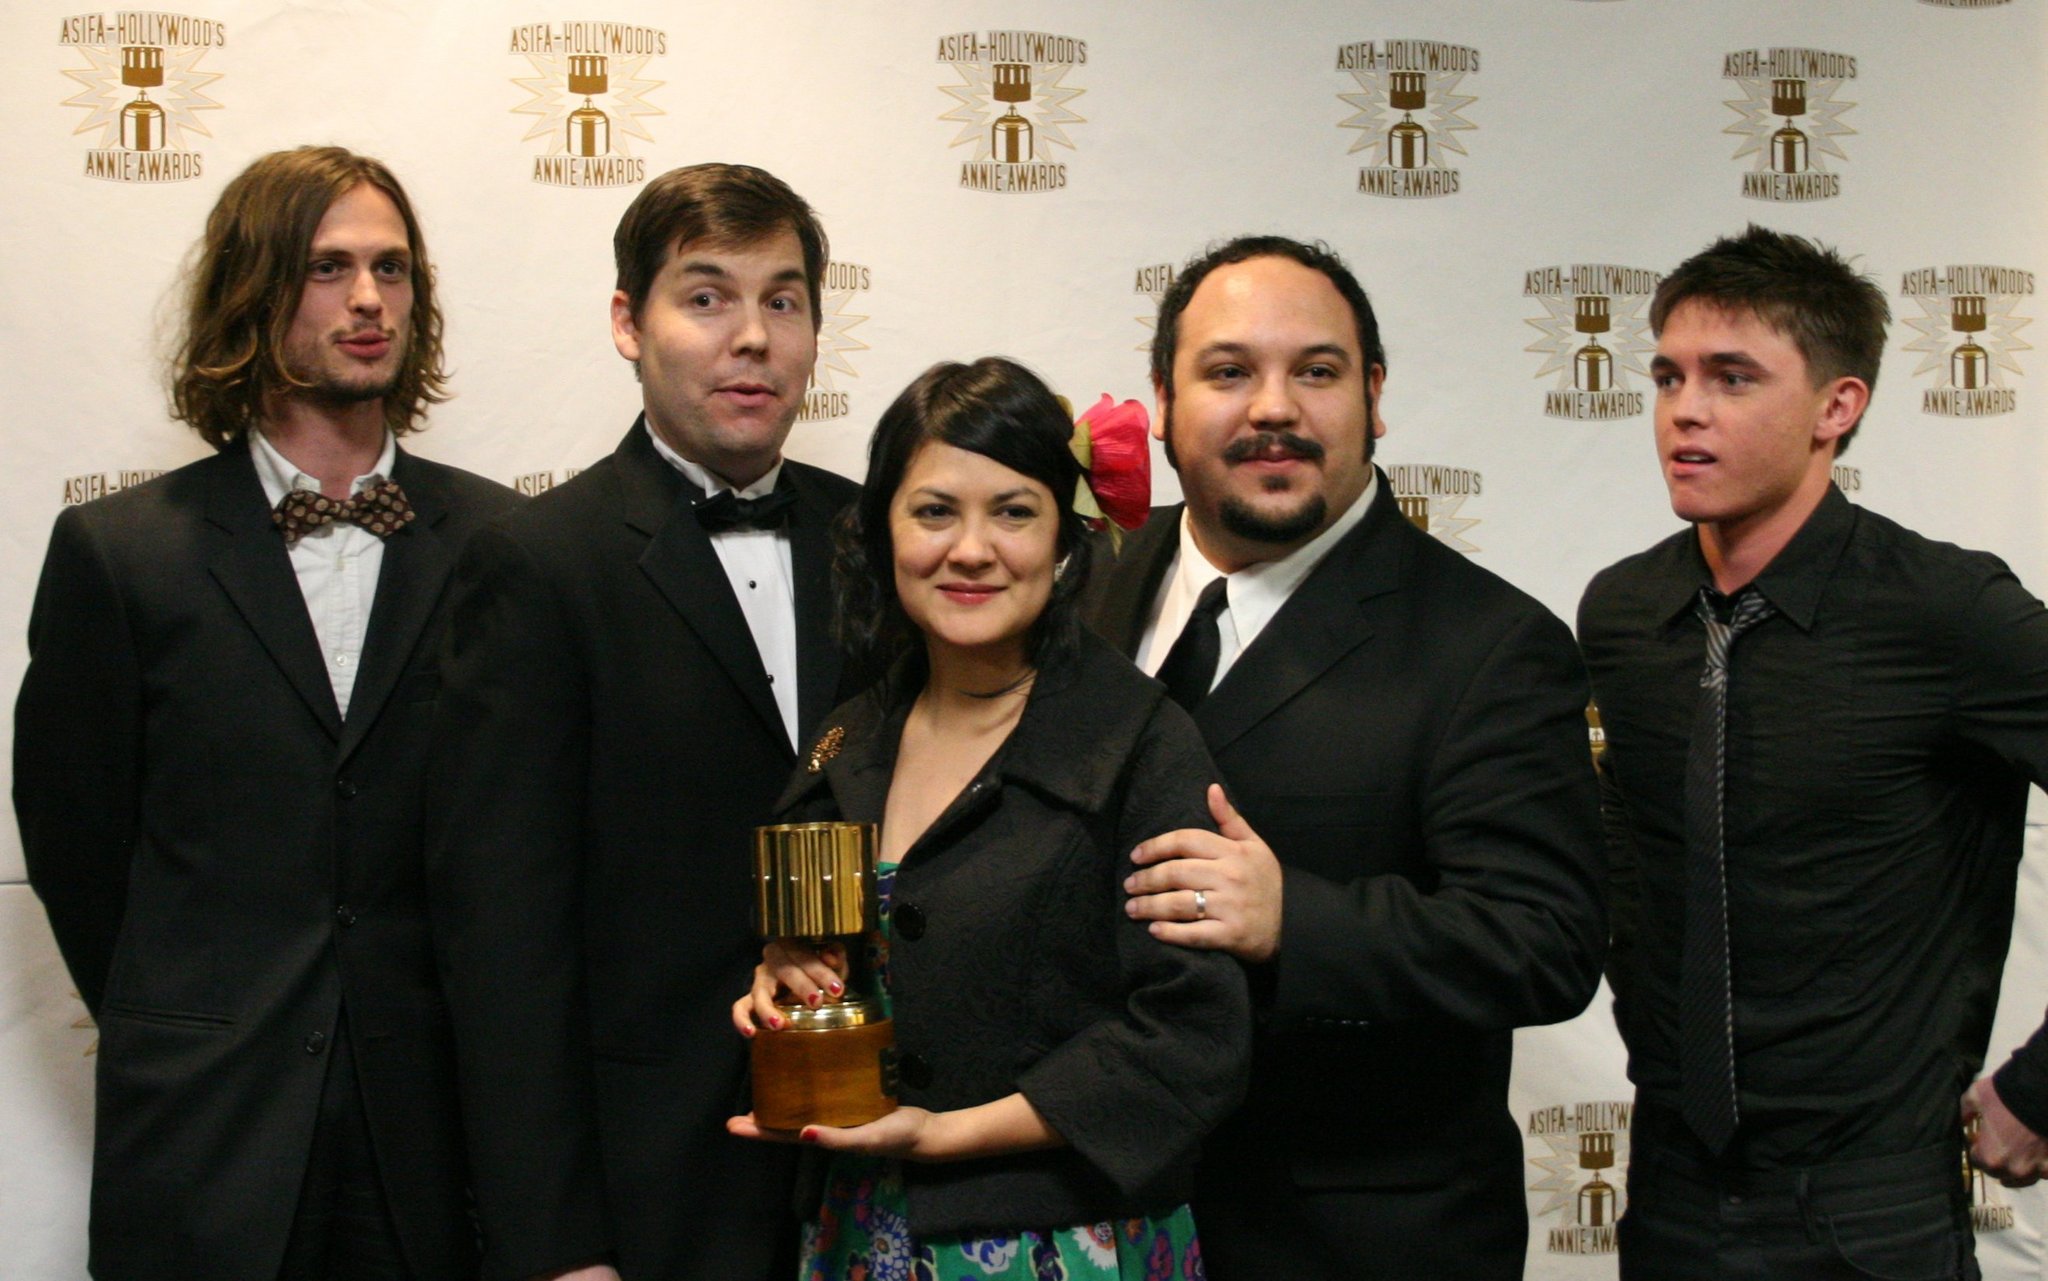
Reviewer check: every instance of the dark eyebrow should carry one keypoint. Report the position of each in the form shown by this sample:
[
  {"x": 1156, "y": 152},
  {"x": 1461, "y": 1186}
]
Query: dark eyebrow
[
  {"x": 1008, "y": 494},
  {"x": 1732, "y": 359},
  {"x": 1241, "y": 351}
]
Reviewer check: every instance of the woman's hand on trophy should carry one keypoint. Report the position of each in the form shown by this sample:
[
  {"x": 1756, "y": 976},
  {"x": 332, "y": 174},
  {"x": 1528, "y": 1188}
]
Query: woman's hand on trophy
[{"x": 795, "y": 972}]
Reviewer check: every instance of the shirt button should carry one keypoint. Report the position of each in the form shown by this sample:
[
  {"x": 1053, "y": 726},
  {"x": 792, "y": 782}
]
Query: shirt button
[
  {"x": 752, "y": 583},
  {"x": 345, "y": 915},
  {"x": 771, "y": 678},
  {"x": 909, "y": 921},
  {"x": 341, "y": 660},
  {"x": 347, "y": 788},
  {"x": 315, "y": 1042}
]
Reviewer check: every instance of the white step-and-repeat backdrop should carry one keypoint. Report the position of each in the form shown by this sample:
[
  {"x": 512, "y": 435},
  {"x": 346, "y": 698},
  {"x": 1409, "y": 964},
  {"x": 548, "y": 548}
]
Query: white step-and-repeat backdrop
[{"x": 1484, "y": 166}]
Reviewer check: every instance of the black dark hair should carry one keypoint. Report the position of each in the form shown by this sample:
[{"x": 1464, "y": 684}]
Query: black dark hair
[
  {"x": 994, "y": 407},
  {"x": 1316, "y": 257},
  {"x": 729, "y": 205},
  {"x": 1834, "y": 314}
]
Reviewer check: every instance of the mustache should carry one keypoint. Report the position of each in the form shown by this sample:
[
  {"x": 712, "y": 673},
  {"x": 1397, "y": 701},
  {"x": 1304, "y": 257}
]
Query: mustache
[{"x": 1267, "y": 442}]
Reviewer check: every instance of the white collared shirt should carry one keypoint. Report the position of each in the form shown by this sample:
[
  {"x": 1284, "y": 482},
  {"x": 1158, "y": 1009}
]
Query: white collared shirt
[
  {"x": 1255, "y": 593},
  {"x": 337, "y": 563},
  {"x": 757, "y": 565}
]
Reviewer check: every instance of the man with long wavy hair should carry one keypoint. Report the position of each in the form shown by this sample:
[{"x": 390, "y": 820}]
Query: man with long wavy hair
[{"x": 218, "y": 748}]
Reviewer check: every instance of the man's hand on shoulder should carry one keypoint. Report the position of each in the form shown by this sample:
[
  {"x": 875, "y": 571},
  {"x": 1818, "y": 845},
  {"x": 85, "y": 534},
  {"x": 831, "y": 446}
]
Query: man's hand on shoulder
[
  {"x": 1217, "y": 890},
  {"x": 2003, "y": 1146},
  {"x": 597, "y": 1272}
]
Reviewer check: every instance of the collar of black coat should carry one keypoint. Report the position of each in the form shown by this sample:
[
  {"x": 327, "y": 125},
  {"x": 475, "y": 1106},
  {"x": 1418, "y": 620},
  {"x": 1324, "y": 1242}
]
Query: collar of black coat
[
  {"x": 1793, "y": 582},
  {"x": 1081, "y": 723}
]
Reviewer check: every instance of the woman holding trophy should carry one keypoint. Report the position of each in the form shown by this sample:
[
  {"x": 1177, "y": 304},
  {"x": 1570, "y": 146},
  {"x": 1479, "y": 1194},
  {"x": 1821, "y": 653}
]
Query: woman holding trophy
[{"x": 1056, "y": 1066}]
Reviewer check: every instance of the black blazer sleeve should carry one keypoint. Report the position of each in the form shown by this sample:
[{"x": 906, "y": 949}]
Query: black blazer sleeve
[
  {"x": 505, "y": 875},
  {"x": 1506, "y": 927},
  {"x": 1134, "y": 1094},
  {"x": 77, "y": 748}
]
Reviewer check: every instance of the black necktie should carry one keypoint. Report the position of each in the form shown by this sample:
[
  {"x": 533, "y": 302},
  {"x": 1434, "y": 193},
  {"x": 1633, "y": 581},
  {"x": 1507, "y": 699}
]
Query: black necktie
[
  {"x": 727, "y": 510},
  {"x": 1706, "y": 1010},
  {"x": 1190, "y": 666}
]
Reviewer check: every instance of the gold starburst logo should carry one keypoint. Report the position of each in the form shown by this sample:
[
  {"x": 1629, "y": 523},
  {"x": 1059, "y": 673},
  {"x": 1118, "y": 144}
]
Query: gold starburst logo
[
  {"x": 1433, "y": 497},
  {"x": 1013, "y": 103},
  {"x": 829, "y": 396},
  {"x": 1408, "y": 110},
  {"x": 1791, "y": 120},
  {"x": 142, "y": 90},
  {"x": 588, "y": 99},
  {"x": 1967, "y": 335},
  {"x": 1596, "y": 340},
  {"x": 1582, "y": 1153}
]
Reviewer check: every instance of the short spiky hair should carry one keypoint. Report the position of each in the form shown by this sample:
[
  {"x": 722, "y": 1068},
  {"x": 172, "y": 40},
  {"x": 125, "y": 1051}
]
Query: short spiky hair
[
  {"x": 244, "y": 283},
  {"x": 1834, "y": 314}
]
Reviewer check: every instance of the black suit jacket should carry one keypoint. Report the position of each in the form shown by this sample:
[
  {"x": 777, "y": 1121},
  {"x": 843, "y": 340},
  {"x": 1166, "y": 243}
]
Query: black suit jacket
[
  {"x": 608, "y": 742},
  {"x": 226, "y": 862},
  {"x": 1408, "y": 734}
]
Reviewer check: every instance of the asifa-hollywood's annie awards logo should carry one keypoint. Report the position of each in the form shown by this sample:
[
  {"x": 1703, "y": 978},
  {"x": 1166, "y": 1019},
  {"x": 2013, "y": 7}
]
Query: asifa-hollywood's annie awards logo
[
  {"x": 1596, "y": 338},
  {"x": 588, "y": 97},
  {"x": 1968, "y": 337},
  {"x": 129, "y": 57},
  {"x": 1433, "y": 498},
  {"x": 1012, "y": 103},
  {"x": 1582, "y": 1152},
  {"x": 827, "y": 396},
  {"x": 1152, "y": 282},
  {"x": 1407, "y": 107},
  {"x": 1791, "y": 127}
]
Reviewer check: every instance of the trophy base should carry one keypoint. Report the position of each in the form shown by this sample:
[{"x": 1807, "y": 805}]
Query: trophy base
[{"x": 830, "y": 1076}]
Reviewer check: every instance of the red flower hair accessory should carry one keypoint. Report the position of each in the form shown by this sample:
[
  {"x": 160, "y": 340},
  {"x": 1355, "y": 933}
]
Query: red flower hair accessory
[{"x": 1115, "y": 491}]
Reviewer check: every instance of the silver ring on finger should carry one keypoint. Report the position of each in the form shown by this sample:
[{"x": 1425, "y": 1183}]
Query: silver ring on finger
[{"x": 1201, "y": 905}]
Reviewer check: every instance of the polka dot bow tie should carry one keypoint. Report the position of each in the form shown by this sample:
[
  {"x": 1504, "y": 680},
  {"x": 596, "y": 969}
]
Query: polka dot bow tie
[{"x": 381, "y": 509}]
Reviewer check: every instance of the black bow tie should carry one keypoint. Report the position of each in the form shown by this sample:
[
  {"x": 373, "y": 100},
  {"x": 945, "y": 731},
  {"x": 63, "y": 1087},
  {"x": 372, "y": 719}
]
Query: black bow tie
[{"x": 727, "y": 510}]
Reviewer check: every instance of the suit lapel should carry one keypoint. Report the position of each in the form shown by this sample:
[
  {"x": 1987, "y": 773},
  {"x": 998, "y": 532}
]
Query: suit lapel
[
  {"x": 254, "y": 569},
  {"x": 681, "y": 563},
  {"x": 1322, "y": 621},
  {"x": 415, "y": 568},
  {"x": 1119, "y": 608},
  {"x": 810, "y": 562}
]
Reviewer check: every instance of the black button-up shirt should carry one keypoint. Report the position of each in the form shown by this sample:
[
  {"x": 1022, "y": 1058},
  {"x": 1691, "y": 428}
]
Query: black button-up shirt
[{"x": 1882, "y": 729}]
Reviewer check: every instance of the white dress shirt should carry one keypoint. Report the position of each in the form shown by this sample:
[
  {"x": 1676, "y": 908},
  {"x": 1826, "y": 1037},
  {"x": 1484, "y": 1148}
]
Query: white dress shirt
[
  {"x": 757, "y": 565},
  {"x": 1254, "y": 594},
  {"x": 337, "y": 564}
]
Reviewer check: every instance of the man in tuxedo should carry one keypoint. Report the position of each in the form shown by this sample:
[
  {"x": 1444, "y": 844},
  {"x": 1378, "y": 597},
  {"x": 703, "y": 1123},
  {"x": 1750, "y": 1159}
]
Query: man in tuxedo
[
  {"x": 1408, "y": 863},
  {"x": 218, "y": 749},
  {"x": 632, "y": 661}
]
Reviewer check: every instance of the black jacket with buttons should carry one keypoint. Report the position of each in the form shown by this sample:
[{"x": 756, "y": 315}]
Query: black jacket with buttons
[{"x": 1014, "y": 967}]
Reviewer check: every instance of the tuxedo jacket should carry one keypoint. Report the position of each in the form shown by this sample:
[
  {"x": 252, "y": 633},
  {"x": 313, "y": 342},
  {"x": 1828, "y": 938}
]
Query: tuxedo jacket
[
  {"x": 1408, "y": 734},
  {"x": 607, "y": 743},
  {"x": 226, "y": 863}
]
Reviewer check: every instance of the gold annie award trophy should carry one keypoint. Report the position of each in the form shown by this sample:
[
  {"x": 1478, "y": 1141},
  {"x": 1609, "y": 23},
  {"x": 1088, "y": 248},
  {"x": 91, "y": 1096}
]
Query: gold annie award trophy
[
  {"x": 1969, "y": 366},
  {"x": 142, "y": 121},
  {"x": 1592, "y": 364},
  {"x": 830, "y": 1064},
  {"x": 1010, "y": 136},
  {"x": 1596, "y": 1199},
  {"x": 589, "y": 130},
  {"x": 1788, "y": 145},
  {"x": 1408, "y": 142}
]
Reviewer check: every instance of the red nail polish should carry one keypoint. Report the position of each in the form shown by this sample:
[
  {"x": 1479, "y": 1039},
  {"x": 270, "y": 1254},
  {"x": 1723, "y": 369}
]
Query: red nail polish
[
  {"x": 808, "y": 1135},
  {"x": 837, "y": 988}
]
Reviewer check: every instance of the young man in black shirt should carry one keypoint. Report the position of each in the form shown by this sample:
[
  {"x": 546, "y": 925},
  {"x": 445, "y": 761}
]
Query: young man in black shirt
[{"x": 1821, "y": 728}]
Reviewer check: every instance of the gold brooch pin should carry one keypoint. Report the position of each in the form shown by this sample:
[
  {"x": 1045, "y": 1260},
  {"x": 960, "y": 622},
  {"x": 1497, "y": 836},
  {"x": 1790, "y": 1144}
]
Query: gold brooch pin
[{"x": 826, "y": 748}]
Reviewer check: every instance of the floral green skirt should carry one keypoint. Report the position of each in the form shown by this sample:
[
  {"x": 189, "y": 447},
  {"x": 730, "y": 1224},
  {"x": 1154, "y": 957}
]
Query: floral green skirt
[{"x": 862, "y": 1233}]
